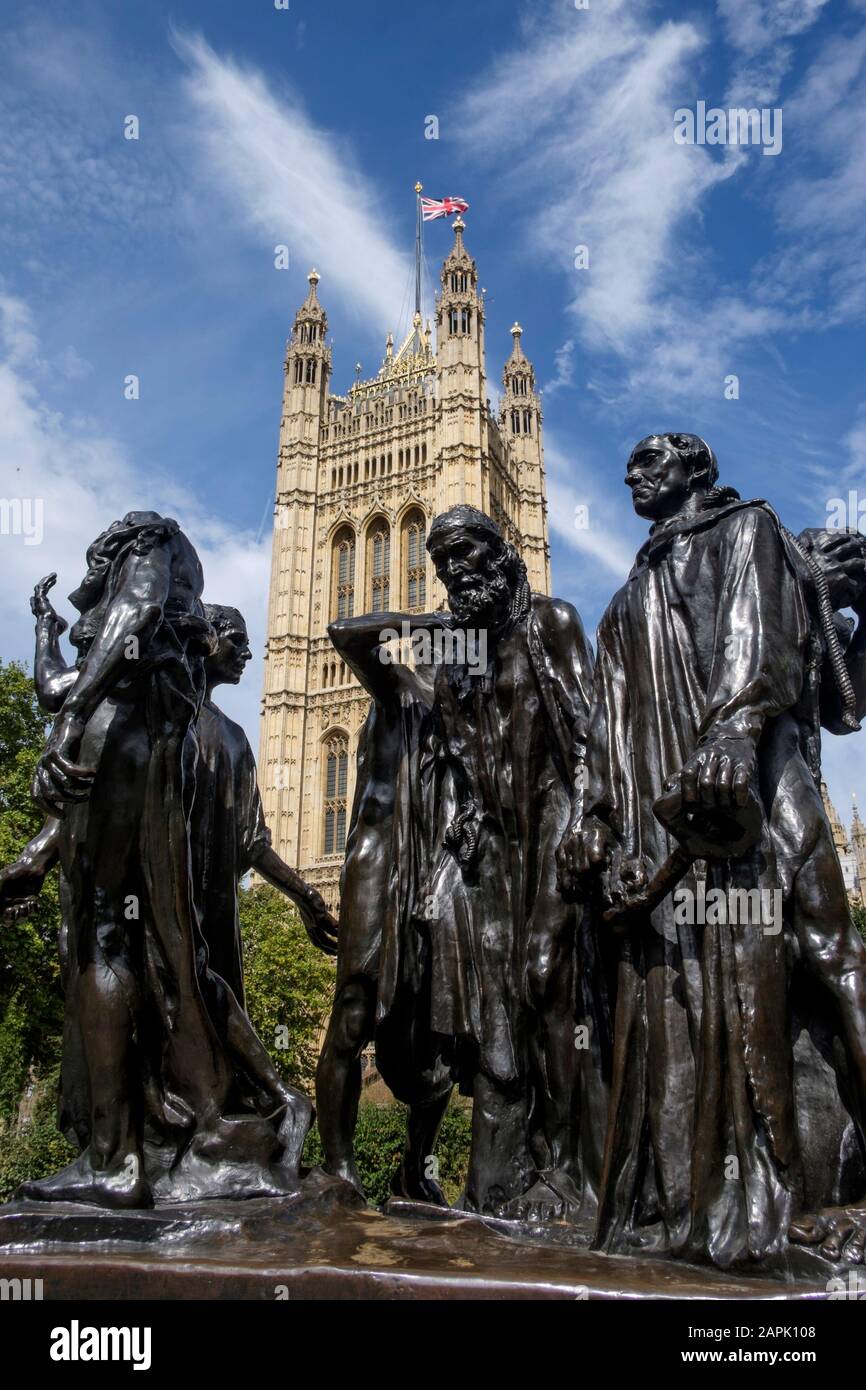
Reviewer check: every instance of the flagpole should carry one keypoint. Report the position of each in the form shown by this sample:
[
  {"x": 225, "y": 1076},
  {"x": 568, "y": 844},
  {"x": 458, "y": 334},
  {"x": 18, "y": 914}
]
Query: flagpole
[{"x": 419, "y": 188}]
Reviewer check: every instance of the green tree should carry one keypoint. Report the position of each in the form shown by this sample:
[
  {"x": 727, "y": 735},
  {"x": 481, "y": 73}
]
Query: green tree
[
  {"x": 31, "y": 1008},
  {"x": 860, "y": 919},
  {"x": 379, "y": 1139},
  {"x": 290, "y": 983}
]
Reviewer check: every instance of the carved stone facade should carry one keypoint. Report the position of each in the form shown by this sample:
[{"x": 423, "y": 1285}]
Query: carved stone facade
[
  {"x": 359, "y": 478},
  {"x": 850, "y": 849}
]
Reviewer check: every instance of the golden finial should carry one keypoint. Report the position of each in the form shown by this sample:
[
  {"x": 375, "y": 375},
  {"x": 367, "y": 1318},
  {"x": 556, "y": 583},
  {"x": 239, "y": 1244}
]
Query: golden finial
[{"x": 419, "y": 188}]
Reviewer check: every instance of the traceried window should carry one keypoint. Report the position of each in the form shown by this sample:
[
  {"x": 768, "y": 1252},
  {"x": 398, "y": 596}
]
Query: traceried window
[
  {"x": 336, "y": 767},
  {"x": 379, "y": 565},
  {"x": 343, "y": 568},
  {"x": 415, "y": 561}
]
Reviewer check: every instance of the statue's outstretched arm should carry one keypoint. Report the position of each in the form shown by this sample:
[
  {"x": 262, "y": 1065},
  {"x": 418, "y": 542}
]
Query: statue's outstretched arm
[
  {"x": 363, "y": 643},
  {"x": 320, "y": 924},
  {"x": 51, "y": 675},
  {"x": 21, "y": 882}
]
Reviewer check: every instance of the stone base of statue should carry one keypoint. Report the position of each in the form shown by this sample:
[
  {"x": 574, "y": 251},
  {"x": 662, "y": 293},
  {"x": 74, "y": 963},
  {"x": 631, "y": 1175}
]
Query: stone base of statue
[{"x": 323, "y": 1242}]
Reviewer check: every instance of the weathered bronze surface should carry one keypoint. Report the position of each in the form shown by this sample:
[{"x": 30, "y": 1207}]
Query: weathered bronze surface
[
  {"x": 322, "y": 1243},
  {"x": 153, "y": 814},
  {"x": 600, "y": 896}
]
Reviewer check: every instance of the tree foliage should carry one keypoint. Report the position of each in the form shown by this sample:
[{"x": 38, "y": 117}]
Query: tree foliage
[
  {"x": 31, "y": 1008},
  {"x": 290, "y": 983},
  {"x": 379, "y": 1141}
]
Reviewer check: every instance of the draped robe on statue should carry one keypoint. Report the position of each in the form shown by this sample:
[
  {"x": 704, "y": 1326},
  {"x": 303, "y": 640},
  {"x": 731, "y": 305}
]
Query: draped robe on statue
[
  {"x": 707, "y": 1150},
  {"x": 128, "y": 893},
  {"x": 506, "y": 744},
  {"x": 227, "y": 830}
]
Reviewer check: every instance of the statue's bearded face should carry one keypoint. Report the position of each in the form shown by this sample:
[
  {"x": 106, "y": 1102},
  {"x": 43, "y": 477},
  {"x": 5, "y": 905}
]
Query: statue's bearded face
[
  {"x": 468, "y": 565},
  {"x": 228, "y": 662},
  {"x": 659, "y": 480}
]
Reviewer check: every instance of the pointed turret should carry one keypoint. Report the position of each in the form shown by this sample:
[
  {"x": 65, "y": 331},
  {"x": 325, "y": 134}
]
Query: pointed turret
[
  {"x": 858, "y": 847},
  {"x": 308, "y": 360},
  {"x": 520, "y": 422},
  {"x": 462, "y": 378}
]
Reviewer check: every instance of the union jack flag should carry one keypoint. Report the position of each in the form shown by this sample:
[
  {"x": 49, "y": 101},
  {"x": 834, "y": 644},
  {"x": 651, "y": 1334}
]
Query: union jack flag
[{"x": 431, "y": 209}]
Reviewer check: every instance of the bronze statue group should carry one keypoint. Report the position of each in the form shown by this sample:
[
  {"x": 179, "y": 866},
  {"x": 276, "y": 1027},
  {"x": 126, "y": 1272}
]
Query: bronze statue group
[{"x": 554, "y": 894}]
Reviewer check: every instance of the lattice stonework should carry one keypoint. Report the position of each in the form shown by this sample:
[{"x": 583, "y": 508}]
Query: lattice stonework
[
  {"x": 415, "y": 535},
  {"x": 344, "y": 548},
  {"x": 379, "y": 567},
  {"x": 336, "y": 793},
  {"x": 359, "y": 479}
]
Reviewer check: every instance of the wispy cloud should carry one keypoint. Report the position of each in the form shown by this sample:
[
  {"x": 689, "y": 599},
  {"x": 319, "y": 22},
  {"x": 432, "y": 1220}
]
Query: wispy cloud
[
  {"x": 760, "y": 32},
  {"x": 581, "y": 113},
  {"x": 590, "y": 511},
  {"x": 563, "y": 360},
  {"x": 292, "y": 182}
]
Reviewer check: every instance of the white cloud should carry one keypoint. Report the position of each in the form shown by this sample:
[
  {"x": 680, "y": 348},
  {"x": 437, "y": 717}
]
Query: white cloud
[
  {"x": 563, "y": 359},
  {"x": 759, "y": 31},
  {"x": 292, "y": 182},
  {"x": 577, "y": 494},
  {"x": 85, "y": 480},
  {"x": 754, "y": 25},
  {"x": 577, "y": 119},
  {"x": 580, "y": 116}
]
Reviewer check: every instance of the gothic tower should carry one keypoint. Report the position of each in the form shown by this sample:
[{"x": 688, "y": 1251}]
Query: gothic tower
[
  {"x": 359, "y": 478},
  {"x": 858, "y": 849},
  {"x": 520, "y": 422}
]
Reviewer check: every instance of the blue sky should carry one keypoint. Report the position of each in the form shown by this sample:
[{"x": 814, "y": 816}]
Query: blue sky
[{"x": 306, "y": 127}]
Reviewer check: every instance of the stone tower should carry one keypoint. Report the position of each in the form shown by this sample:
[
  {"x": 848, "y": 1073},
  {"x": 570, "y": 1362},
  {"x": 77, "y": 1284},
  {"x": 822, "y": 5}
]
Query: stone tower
[
  {"x": 858, "y": 849},
  {"x": 359, "y": 478},
  {"x": 852, "y": 853}
]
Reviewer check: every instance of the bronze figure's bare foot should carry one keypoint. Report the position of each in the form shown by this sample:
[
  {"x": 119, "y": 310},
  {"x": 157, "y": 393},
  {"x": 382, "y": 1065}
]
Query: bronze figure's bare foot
[
  {"x": 840, "y": 1232},
  {"x": 119, "y": 1189},
  {"x": 347, "y": 1170},
  {"x": 293, "y": 1131},
  {"x": 417, "y": 1188},
  {"x": 553, "y": 1197}
]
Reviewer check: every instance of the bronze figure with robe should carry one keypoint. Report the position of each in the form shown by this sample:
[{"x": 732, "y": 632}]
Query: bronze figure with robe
[{"x": 701, "y": 715}]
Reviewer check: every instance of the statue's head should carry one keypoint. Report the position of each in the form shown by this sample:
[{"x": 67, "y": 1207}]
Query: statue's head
[
  {"x": 481, "y": 571},
  {"x": 664, "y": 470},
  {"x": 227, "y": 664}
]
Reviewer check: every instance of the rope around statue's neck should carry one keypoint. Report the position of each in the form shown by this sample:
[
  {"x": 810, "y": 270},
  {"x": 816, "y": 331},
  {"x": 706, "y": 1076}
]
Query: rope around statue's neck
[{"x": 831, "y": 636}]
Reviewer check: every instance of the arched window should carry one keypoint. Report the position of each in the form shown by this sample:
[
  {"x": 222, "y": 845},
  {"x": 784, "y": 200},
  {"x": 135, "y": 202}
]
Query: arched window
[
  {"x": 379, "y": 565},
  {"x": 343, "y": 569},
  {"x": 414, "y": 561},
  {"x": 336, "y": 765}
]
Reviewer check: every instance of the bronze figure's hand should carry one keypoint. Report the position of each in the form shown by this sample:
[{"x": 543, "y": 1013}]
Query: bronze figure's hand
[
  {"x": 320, "y": 923},
  {"x": 42, "y": 607},
  {"x": 718, "y": 774},
  {"x": 58, "y": 777}
]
